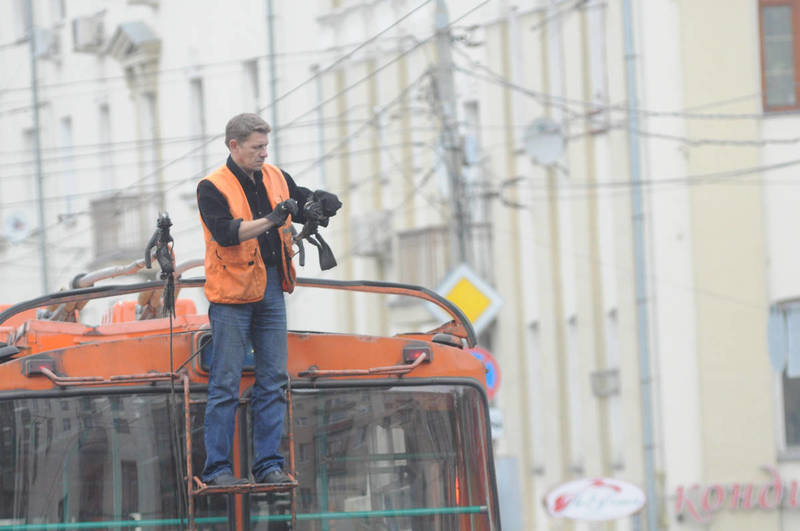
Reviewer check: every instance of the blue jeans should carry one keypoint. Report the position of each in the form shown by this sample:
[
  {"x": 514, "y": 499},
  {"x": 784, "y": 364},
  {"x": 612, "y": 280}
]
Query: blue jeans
[{"x": 234, "y": 328}]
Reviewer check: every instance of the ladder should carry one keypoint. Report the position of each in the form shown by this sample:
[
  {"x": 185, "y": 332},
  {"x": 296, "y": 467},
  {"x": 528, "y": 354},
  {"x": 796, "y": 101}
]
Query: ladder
[{"x": 195, "y": 486}]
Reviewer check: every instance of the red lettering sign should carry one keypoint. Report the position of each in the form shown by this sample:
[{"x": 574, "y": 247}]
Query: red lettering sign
[{"x": 701, "y": 502}]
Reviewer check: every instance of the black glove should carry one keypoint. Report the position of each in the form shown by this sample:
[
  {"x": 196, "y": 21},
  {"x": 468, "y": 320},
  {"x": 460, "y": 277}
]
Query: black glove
[
  {"x": 330, "y": 202},
  {"x": 312, "y": 211},
  {"x": 281, "y": 212}
]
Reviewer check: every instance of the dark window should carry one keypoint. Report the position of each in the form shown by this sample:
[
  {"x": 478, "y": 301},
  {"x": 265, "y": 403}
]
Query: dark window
[
  {"x": 784, "y": 353},
  {"x": 413, "y": 458},
  {"x": 791, "y": 409},
  {"x": 780, "y": 22},
  {"x": 402, "y": 457},
  {"x": 98, "y": 472}
]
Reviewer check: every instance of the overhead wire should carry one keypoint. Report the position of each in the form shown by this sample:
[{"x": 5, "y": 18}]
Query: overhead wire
[
  {"x": 190, "y": 67},
  {"x": 590, "y": 108},
  {"x": 218, "y": 155},
  {"x": 330, "y": 67},
  {"x": 578, "y": 191},
  {"x": 369, "y": 122},
  {"x": 291, "y": 91},
  {"x": 317, "y": 74},
  {"x": 102, "y": 148},
  {"x": 558, "y": 14},
  {"x": 375, "y": 72},
  {"x": 564, "y": 104}
]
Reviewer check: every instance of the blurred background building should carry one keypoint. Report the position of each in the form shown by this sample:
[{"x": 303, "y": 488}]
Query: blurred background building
[{"x": 620, "y": 172}]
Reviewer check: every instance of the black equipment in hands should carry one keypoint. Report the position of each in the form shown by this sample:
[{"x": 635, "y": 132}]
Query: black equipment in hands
[
  {"x": 318, "y": 208},
  {"x": 330, "y": 202},
  {"x": 312, "y": 211}
]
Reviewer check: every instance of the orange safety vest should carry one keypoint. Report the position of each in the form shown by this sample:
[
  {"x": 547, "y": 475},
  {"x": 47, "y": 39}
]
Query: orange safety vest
[{"x": 236, "y": 274}]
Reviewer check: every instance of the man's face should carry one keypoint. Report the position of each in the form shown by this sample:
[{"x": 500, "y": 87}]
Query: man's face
[{"x": 250, "y": 154}]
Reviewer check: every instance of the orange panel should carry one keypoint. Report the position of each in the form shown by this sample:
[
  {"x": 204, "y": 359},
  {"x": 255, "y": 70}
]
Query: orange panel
[{"x": 20, "y": 318}]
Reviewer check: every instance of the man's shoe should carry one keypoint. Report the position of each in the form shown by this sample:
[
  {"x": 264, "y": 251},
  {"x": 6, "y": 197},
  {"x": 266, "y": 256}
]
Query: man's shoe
[
  {"x": 226, "y": 479},
  {"x": 274, "y": 476}
]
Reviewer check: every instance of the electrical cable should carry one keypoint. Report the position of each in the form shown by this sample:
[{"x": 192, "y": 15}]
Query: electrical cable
[
  {"x": 546, "y": 99},
  {"x": 192, "y": 67},
  {"x": 369, "y": 122},
  {"x": 405, "y": 52},
  {"x": 590, "y": 108},
  {"x": 79, "y": 170},
  {"x": 557, "y": 15}
]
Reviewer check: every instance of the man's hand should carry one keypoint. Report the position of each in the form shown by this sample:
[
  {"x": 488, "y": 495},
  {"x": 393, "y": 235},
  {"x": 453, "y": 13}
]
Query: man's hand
[{"x": 281, "y": 211}]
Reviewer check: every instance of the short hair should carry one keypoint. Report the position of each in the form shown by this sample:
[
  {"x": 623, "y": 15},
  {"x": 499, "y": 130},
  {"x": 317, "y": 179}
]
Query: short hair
[{"x": 241, "y": 126}]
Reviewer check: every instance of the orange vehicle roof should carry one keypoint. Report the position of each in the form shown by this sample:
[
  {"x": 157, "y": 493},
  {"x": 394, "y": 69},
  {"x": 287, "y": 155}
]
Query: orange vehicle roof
[{"x": 126, "y": 346}]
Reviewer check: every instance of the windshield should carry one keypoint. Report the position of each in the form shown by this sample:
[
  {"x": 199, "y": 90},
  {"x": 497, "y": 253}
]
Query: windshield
[{"x": 402, "y": 457}]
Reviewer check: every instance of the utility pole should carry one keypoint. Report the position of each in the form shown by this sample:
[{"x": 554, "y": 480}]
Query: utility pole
[
  {"x": 450, "y": 140},
  {"x": 37, "y": 149}
]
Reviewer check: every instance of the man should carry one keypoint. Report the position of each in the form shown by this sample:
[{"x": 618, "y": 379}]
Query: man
[{"x": 247, "y": 208}]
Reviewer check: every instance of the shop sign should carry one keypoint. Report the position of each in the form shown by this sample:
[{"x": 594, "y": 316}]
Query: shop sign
[
  {"x": 700, "y": 502},
  {"x": 595, "y": 499}
]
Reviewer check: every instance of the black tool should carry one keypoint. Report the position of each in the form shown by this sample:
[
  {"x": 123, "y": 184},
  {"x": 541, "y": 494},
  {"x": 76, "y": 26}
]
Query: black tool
[
  {"x": 162, "y": 241},
  {"x": 309, "y": 232}
]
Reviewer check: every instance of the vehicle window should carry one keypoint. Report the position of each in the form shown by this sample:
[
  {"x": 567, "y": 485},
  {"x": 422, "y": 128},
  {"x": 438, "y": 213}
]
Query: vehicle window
[
  {"x": 400, "y": 458},
  {"x": 90, "y": 459},
  {"x": 377, "y": 457}
]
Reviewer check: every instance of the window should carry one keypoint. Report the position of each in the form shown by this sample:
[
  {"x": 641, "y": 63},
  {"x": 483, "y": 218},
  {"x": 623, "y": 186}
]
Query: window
[
  {"x": 784, "y": 353},
  {"x": 575, "y": 393},
  {"x": 374, "y": 458},
  {"x": 106, "y": 158},
  {"x": 123, "y": 223},
  {"x": 536, "y": 399},
  {"x": 58, "y": 10},
  {"x": 148, "y": 150},
  {"x": 252, "y": 91},
  {"x": 615, "y": 412},
  {"x": 69, "y": 183},
  {"x": 91, "y": 473},
  {"x": 401, "y": 457},
  {"x": 596, "y": 13},
  {"x": 198, "y": 125},
  {"x": 423, "y": 254},
  {"x": 780, "y": 20},
  {"x": 22, "y": 14}
]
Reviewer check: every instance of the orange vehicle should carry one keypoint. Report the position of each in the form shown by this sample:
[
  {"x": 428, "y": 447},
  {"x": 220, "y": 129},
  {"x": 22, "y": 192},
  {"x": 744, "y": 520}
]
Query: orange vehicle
[{"x": 101, "y": 425}]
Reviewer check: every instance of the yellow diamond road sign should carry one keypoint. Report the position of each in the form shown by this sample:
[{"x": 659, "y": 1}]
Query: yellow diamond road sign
[{"x": 477, "y": 299}]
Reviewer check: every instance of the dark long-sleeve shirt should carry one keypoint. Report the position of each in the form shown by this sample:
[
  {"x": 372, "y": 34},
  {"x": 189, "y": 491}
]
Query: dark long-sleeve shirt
[{"x": 224, "y": 229}]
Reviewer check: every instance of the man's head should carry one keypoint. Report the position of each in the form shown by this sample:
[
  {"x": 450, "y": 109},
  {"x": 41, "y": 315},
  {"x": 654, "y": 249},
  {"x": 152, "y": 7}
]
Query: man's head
[{"x": 246, "y": 138}]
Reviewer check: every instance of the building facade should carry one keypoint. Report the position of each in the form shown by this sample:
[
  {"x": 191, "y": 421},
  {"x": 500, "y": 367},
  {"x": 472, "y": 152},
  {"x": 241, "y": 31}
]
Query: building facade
[{"x": 643, "y": 246}]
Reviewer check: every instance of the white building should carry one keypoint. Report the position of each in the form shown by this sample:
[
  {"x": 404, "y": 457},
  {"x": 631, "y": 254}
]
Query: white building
[{"x": 134, "y": 95}]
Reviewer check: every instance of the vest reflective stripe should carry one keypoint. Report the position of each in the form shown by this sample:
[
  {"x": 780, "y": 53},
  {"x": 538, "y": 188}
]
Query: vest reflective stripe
[{"x": 236, "y": 274}]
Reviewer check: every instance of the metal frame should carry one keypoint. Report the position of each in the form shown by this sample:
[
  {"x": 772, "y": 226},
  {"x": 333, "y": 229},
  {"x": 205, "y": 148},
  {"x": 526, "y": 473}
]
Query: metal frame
[
  {"x": 460, "y": 325},
  {"x": 202, "y": 489}
]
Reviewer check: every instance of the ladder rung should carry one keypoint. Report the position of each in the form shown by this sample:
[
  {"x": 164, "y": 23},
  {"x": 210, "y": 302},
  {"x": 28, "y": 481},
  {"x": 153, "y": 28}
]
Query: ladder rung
[{"x": 244, "y": 488}]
